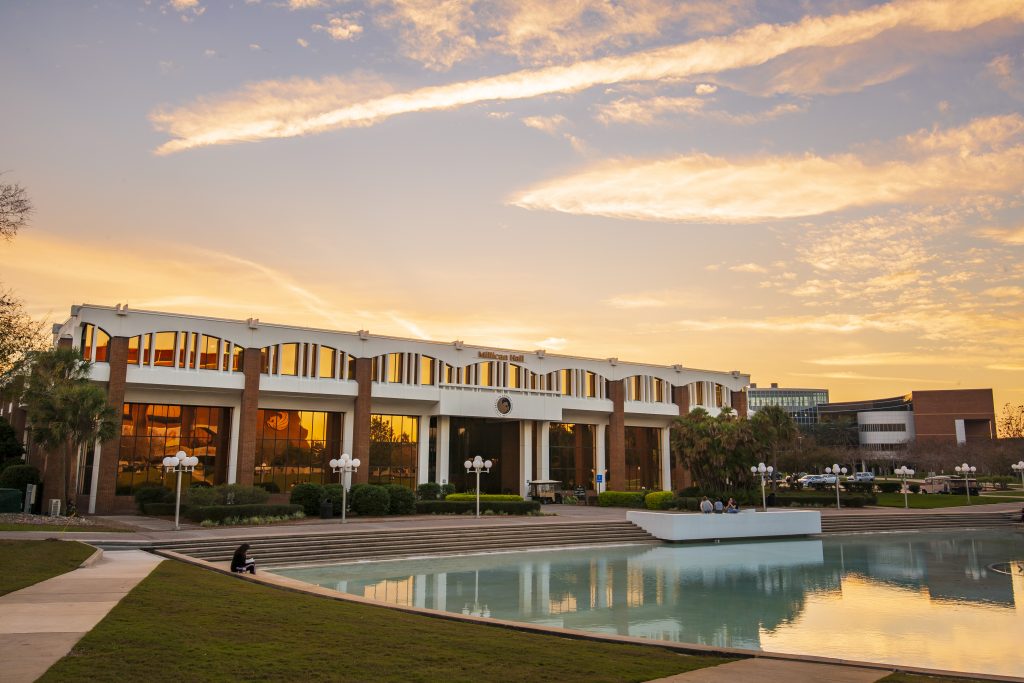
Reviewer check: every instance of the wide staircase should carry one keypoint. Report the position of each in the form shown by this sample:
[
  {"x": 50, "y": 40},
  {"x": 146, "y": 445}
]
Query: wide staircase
[
  {"x": 355, "y": 546},
  {"x": 871, "y": 523}
]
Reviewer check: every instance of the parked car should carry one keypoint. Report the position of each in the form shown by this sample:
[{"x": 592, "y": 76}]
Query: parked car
[{"x": 866, "y": 477}]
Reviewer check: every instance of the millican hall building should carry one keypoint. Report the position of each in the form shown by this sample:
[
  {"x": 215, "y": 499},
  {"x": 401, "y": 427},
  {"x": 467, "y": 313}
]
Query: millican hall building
[{"x": 271, "y": 404}]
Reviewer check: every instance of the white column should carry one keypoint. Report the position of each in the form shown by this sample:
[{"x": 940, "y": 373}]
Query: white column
[
  {"x": 525, "y": 455},
  {"x": 666, "y": 459},
  {"x": 419, "y": 590},
  {"x": 442, "y": 449},
  {"x": 545, "y": 455},
  {"x": 599, "y": 464},
  {"x": 348, "y": 425},
  {"x": 95, "y": 478},
  {"x": 423, "y": 456},
  {"x": 236, "y": 417}
]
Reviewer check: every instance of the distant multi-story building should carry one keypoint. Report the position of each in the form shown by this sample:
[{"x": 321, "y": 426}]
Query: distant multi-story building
[
  {"x": 939, "y": 416},
  {"x": 802, "y": 404}
]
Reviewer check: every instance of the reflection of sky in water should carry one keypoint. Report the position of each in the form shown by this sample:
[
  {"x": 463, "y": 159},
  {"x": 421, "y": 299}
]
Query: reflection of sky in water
[{"x": 923, "y": 599}]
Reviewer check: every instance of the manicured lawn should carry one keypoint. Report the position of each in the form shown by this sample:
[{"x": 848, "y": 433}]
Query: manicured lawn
[
  {"x": 929, "y": 501},
  {"x": 59, "y": 529},
  {"x": 24, "y": 563},
  {"x": 183, "y": 623}
]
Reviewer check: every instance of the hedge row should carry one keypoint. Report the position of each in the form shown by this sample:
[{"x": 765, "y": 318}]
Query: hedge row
[
  {"x": 659, "y": 500},
  {"x": 621, "y": 499},
  {"x": 491, "y": 497},
  {"x": 455, "y": 507},
  {"x": 855, "y": 500},
  {"x": 218, "y": 513}
]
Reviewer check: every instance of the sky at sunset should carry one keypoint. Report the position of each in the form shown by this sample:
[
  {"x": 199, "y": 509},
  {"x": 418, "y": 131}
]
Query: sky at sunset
[{"x": 822, "y": 194}]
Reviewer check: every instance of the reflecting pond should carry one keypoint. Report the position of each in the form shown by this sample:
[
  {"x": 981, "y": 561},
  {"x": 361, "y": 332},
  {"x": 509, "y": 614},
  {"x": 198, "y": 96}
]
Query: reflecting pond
[{"x": 946, "y": 600}]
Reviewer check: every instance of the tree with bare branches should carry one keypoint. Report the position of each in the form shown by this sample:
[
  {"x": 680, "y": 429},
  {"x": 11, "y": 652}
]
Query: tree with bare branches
[
  {"x": 1011, "y": 424},
  {"x": 15, "y": 209}
]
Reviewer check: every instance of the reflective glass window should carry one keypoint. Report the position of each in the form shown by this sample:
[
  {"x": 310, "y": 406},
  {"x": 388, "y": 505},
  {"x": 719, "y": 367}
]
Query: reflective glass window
[
  {"x": 396, "y": 367},
  {"x": 85, "y": 342},
  {"x": 163, "y": 348},
  {"x": 209, "y": 353},
  {"x": 150, "y": 432},
  {"x": 571, "y": 452},
  {"x": 133, "y": 350},
  {"x": 236, "y": 359},
  {"x": 289, "y": 363},
  {"x": 393, "y": 449},
  {"x": 102, "y": 345},
  {"x": 427, "y": 370},
  {"x": 643, "y": 459},
  {"x": 328, "y": 362},
  {"x": 294, "y": 447},
  {"x": 515, "y": 376},
  {"x": 147, "y": 346}
]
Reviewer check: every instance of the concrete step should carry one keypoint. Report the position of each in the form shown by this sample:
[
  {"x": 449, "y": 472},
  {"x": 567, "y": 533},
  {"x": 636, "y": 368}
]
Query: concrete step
[
  {"x": 896, "y": 522},
  {"x": 357, "y": 546}
]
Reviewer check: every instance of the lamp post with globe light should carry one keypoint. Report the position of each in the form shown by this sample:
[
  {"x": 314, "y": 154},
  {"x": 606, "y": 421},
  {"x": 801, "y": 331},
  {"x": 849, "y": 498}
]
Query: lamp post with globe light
[
  {"x": 761, "y": 469},
  {"x": 1019, "y": 468},
  {"x": 836, "y": 470},
  {"x": 344, "y": 467},
  {"x": 903, "y": 472},
  {"x": 180, "y": 462},
  {"x": 477, "y": 465},
  {"x": 967, "y": 471}
]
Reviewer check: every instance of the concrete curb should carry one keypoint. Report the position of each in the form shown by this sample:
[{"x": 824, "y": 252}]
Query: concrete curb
[
  {"x": 92, "y": 559},
  {"x": 291, "y": 585}
]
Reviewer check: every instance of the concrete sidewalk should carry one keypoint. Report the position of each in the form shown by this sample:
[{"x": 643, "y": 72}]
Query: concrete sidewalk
[
  {"x": 764, "y": 670},
  {"x": 41, "y": 623}
]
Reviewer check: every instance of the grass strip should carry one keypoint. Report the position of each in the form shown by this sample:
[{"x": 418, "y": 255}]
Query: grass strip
[
  {"x": 26, "y": 563},
  {"x": 53, "y": 528},
  {"x": 185, "y": 623},
  {"x": 930, "y": 501}
]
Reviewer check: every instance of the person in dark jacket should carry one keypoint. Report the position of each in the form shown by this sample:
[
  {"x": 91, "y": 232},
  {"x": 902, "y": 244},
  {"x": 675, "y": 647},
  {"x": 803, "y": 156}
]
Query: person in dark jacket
[{"x": 241, "y": 562}]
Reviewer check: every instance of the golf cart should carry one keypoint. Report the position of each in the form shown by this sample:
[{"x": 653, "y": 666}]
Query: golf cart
[{"x": 545, "y": 490}]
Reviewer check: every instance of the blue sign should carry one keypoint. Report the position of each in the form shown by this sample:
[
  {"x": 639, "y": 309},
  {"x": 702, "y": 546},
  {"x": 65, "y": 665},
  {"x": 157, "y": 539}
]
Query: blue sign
[{"x": 600, "y": 478}]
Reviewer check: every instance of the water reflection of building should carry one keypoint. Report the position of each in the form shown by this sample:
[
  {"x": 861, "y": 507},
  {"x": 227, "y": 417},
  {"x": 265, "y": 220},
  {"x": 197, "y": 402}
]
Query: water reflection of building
[{"x": 948, "y": 567}]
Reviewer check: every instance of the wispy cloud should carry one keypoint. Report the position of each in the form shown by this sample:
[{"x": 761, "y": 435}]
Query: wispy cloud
[
  {"x": 1014, "y": 236},
  {"x": 895, "y": 358},
  {"x": 874, "y": 378},
  {"x": 236, "y": 117},
  {"x": 985, "y": 155},
  {"x": 344, "y": 27},
  {"x": 748, "y": 268},
  {"x": 546, "y": 124}
]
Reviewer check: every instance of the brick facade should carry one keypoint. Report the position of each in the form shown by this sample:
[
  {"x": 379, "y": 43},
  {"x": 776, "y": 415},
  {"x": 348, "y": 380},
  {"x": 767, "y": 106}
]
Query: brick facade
[
  {"x": 107, "y": 500},
  {"x": 739, "y": 403},
  {"x": 247, "y": 420},
  {"x": 617, "y": 435},
  {"x": 936, "y": 413},
  {"x": 361, "y": 420}
]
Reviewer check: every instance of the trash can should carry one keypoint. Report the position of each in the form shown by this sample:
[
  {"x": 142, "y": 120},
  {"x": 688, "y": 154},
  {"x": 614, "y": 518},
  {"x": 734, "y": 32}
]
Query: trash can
[{"x": 326, "y": 509}]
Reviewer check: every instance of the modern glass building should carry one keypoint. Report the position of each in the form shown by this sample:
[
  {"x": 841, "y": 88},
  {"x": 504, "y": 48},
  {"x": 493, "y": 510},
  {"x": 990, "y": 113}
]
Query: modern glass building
[
  {"x": 802, "y": 404},
  {"x": 271, "y": 404}
]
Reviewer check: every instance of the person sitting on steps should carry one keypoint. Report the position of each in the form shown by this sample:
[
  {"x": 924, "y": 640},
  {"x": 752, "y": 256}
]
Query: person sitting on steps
[{"x": 241, "y": 562}]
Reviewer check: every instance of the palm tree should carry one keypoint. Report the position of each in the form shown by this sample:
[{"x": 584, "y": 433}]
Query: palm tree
[
  {"x": 67, "y": 412},
  {"x": 775, "y": 429}
]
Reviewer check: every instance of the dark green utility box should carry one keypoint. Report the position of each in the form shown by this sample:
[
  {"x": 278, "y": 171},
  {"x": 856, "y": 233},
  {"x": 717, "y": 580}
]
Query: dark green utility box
[{"x": 10, "y": 500}]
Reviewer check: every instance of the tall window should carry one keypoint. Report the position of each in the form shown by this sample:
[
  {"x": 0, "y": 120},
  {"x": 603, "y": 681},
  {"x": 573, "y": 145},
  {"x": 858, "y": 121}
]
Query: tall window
[
  {"x": 643, "y": 459},
  {"x": 209, "y": 353},
  {"x": 393, "y": 449},
  {"x": 133, "y": 350},
  {"x": 163, "y": 348},
  {"x": 396, "y": 368},
  {"x": 328, "y": 362},
  {"x": 571, "y": 454},
  {"x": 150, "y": 432},
  {"x": 426, "y": 370},
  {"x": 633, "y": 388},
  {"x": 289, "y": 362},
  {"x": 294, "y": 447}
]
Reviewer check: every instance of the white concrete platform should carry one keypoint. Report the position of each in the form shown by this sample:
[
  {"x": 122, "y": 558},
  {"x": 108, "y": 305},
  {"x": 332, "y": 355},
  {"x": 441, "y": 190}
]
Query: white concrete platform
[{"x": 683, "y": 526}]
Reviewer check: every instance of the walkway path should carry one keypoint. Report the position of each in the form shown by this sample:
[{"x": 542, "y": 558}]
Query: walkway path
[
  {"x": 765, "y": 670},
  {"x": 41, "y": 623}
]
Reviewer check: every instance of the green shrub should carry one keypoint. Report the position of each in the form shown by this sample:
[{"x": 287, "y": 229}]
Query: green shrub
[
  {"x": 334, "y": 493},
  {"x": 219, "y": 513},
  {"x": 889, "y": 486},
  {"x": 859, "y": 486},
  {"x": 10, "y": 447},
  {"x": 19, "y": 477},
  {"x": 226, "y": 494},
  {"x": 659, "y": 500},
  {"x": 691, "y": 503},
  {"x": 370, "y": 500},
  {"x": 161, "y": 509},
  {"x": 456, "y": 507},
  {"x": 621, "y": 499},
  {"x": 11, "y": 463},
  {"x": 852, "y": 500},
  {"x": 1001, "y": 482},
  {"x": 430, "y": 490},
  {"x": 483, "y": 497},
  {"x": 401, "y": 500},
  {"x": 268, "y": 486},
  {"x": 308, "y": 497},
  {"x": 152, "y": 492},
  {"x": 446, "y": 490}
]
